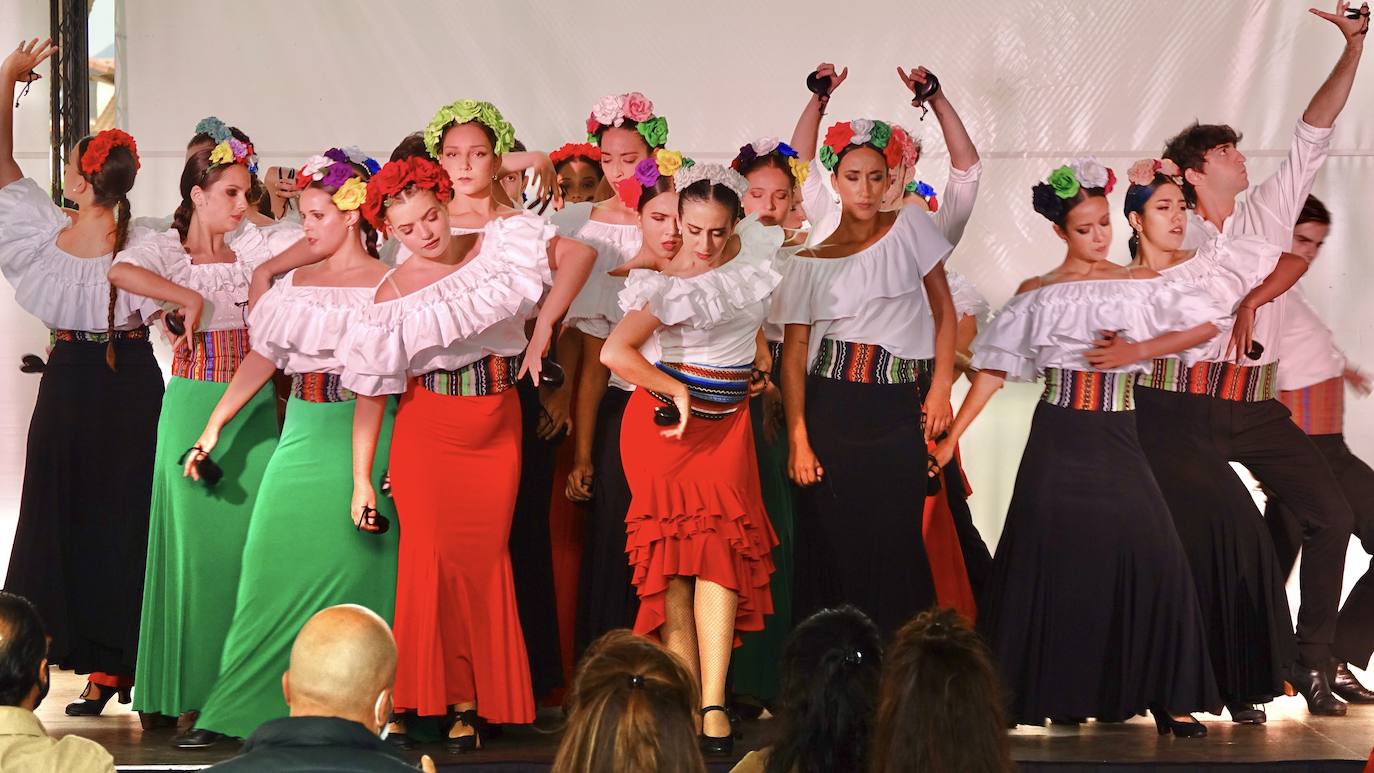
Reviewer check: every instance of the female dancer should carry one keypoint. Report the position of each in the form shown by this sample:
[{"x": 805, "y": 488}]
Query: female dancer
[
  {"x": 1239, "y": 583},
  {"x": 579, "y": 171},
  {"x": 856, "y": 370},
  {"x": 1090, "y": 609},
  {"x": 83, "y": 514},
  {"x": 197, "y": 529},
  {"x": 308, "y": 485},
  {"x": 698, "y": 537},
  {"x": 470, "y": 139},
  {"x": 628, "y": 136},
  {"x": 447, "y": 329}
]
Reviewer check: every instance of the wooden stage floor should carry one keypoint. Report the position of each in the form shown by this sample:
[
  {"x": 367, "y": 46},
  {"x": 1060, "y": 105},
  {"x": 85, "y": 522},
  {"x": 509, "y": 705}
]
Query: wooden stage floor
[{"x": 1293, "y": 740}]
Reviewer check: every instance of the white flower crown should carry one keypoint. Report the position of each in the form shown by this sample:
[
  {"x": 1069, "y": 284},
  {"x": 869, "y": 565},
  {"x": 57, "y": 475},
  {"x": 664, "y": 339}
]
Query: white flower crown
[{"x": 715, "y": 173}]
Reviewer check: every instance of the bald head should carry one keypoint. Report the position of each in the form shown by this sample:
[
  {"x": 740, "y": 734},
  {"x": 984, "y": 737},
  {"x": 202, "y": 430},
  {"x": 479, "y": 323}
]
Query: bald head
[{"x": 343, "y": 658}]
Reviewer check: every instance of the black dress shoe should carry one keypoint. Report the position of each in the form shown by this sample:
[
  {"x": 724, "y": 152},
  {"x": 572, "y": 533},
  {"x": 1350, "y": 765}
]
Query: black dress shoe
[
  {"x": 198, "y": 738},
  {"x": 1347, "y": 686},
  {"x": 1315, "y": 688},
  {"x": 464, "y": 743},
  {"x": 1166, "y": 724},
  {"x": 151, "y": 720},
  {"x": 401, "y": 740},
  {"x": 712, "y": 746},
  {"x": 1247, "y": 714}
]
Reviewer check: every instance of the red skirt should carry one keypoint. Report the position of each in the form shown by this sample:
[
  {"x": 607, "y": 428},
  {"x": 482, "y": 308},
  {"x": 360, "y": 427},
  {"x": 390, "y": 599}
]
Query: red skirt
[
  {"x": 455, "y": 469},
  {"x": 946, "y": 555},
  {"x": 695, "y": 511}
]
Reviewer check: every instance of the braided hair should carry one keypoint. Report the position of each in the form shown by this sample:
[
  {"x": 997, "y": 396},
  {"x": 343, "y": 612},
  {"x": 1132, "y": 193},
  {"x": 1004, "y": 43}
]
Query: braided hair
[{"x": 111, "y": 184}]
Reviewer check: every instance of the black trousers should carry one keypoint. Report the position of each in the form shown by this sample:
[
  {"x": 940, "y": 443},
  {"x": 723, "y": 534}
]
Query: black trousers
[
  {"x": 1262, "y": 437},
  {"x": 1355, "y": 625}
]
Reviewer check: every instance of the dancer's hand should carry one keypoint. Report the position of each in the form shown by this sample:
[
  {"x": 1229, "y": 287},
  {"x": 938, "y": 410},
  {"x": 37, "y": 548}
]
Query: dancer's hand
[
  {"x": 1354, "y": 30},
  {"x": 426, "y": 764},
  {"x": 534, "y": 353},
  {"x": 1112, "y": 351},
  {"x": 803, "y": 467},
  {"x": 827, "y": 70},
  {"x": 580, "y": 479},
  {"x": 938, "y": 411},
  {"x": 363, "y": 496},
  {"x": 683, "y": 400},
  {"x": 190, "y": 317},
  {"x": 1241, "y": 333},
  {"x": 18, "y": 66},
  {"x": 944, "y": 451},
  {"x": 1358, "y": 381},
  {"x": 916, "y": 78},
  {"x": 556, "y": 418},
  {"x": 208, "y": 438},
  {"x": 546, "y": 185}
]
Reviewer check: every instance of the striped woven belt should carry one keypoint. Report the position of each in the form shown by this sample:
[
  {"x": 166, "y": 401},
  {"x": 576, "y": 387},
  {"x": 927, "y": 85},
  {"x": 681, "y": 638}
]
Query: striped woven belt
[
  {"x": 86, "y": 336},
  {"x": 717, "y": 385},
  {"x": 1319, "y": 409},
  {"x": 319, "y": 388},
  {"x": 490, "y": 375},
  {"x": 867, "y": 364},
  {"x": 1222, "y": 380},
  {"x": 215, "y": 355},
  {"x": 1089, "y": 390}
]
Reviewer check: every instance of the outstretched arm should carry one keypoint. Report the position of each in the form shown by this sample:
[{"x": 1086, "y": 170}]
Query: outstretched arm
[
  {"x": 1286, "y": 273},
  {"x": 1331, "y": 97},
  {"x": 17, "y": 68},
  {"x": 806, "y": 135},
  {"x": 985, "y": 385},
  {"x": 289, "y": 259},
  {"x": 962, "y": 154}
]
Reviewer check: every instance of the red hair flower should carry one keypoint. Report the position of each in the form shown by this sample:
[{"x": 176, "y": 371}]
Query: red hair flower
[
  {"x": 629, "y": 190},
  {"x": 839, "y": 135},
  {"x": 896, "y": 148},
  {"x": 98, "y": 150},
  {"x": 575, "y": 150},
  {"x": 395, "y": 177}
]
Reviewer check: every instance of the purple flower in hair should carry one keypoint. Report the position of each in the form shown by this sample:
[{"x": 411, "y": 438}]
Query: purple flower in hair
[
  {"x": 337, "y": 175},
  {"x": 237, "y": 148},
  {"x": 334, "y": 154},
  {"x": 746, "y": 156},
  {"x": 646, "y": 172}
]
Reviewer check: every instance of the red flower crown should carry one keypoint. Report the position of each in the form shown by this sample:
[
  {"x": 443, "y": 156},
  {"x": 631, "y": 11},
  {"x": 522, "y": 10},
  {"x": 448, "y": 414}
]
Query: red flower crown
[
  {"x": 395, "y": 177},
  {"x": 98, "y": 150},
  {"x": 575, "y": 150}
]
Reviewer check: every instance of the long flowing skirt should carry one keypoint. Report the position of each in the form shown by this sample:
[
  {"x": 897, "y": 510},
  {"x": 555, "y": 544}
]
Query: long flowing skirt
[
  {"x": 858, "y": 531},
  {"x": 1090, "y": 609},
  {"x": 303, "y": 554},
  {"x": 82, "y": 537},
  {"x": 695, "y": 511},
  {"x": 455, "y": 468},
  {"x": 607, "y": 599},
  {"x": 195, "y": 544},
  {"x": 531, "y": 552}
]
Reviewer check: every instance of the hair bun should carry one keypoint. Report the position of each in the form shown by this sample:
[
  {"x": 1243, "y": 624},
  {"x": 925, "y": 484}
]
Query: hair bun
[{"x": 1047, "y": 202}]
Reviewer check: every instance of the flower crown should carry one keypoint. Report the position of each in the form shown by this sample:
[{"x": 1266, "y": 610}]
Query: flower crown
[
  {"x": 716, "y": 174},
  {"x": 395, "y": 177},
  {"x": 465, "y": 111},
  {"x": 335, "y": 169},
  {"x": 228, "y": 149},
  {"x": 925, "y": 191},
  {"x": 662, "y": 163},
  {"x": 575, "y": 150},
  {"x": 768, "y": 145},
  {"x": 1067, "y": 181},
  {"x": 892, "y": 141},
  {"x": 98, "y": 150},
  {"x": 613, "y": 110},
  {"x": 1143, "y": 171}
]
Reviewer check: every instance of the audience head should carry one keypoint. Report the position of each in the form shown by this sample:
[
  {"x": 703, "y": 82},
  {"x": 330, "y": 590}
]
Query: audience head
[
  {"x": 632, "y": 710},
  {"x": 343, "y": 664},
  {"x": 23, "y": 653},
  {"x": 1074, "y": 199},
  {"x": 1314, "y": 222},
  {"x": 830, "y": 673},
  {"x": 940, "y": 706},
  {"x": 1208, "y": 156}
]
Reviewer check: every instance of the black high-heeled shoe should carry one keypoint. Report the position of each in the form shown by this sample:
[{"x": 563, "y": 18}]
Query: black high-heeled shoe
[
  {"x": 1315, "y": 687},
  {"x": 88, "y": 707},
  {"x": 465, "y": 743},
  {"x": 1166, "y": 724},
  {"x": 401, "y": 740},
  {"x": 1247, "y": 714},
  {"x": 713, "y": 746}
]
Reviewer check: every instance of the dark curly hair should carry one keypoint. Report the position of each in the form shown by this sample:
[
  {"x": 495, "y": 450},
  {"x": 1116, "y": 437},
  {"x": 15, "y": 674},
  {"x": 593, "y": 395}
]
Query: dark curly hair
[
  {"x": 1055, "y": 209},
  {"x": 1314, "y": 211},
  {"x": 1188, "y": 148}
]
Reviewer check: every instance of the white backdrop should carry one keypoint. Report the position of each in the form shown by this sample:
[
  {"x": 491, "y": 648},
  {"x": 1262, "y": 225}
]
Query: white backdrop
[{"x": 1036, "y": 81}]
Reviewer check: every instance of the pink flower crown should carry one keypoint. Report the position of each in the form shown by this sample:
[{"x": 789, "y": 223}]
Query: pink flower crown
[
  {"x": 1143, "y": 171},
  {"x": 613, "y": 110}
]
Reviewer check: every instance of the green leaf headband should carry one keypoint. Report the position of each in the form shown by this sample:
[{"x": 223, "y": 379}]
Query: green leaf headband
[{"x": 464, "y": 111}]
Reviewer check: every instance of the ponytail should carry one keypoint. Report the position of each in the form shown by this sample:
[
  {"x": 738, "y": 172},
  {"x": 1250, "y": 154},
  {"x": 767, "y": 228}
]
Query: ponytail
[{"x": 123, "y": 215}]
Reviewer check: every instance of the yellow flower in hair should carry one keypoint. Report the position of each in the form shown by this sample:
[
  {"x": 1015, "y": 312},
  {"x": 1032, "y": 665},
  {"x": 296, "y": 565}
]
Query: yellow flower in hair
[
  {"x": 799, "y": 170},
  {"x": 350, "y": 195},
  {"x": 669, "y": 161},
  {"x": 222, "y": 154}
]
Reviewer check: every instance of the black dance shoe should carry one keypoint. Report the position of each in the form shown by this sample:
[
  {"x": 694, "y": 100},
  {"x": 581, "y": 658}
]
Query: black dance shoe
[
  {"x": 401, "y": 740},
  {"x": 465, "y": 743},
  {"x": 711, "y": 746},
  {"x": 198, "y": 738},
  {"x": 1166, "y": 724},
  {"x": 151, "y": 720},
  {"x": 92, "y": 707},
  {"x": 1343, "y": 684},
  {"x": 1315, "y": 688},
  {"x": 1247, "y": 714}
]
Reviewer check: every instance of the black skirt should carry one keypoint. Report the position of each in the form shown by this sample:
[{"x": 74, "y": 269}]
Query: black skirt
[
  {"x": 1090, "y": 609},
  {"x": 1240, "y": 583},
  {"x": 82, "y": 539},
  {"x": 606, "y": 599},
  {"x": 858, "y": 531},
  {"x": 531, "y": 551}
]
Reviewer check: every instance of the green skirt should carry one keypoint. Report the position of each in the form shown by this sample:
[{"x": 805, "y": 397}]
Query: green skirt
[
  {"x": 195, "y": 544},
  {"x": 303, "y": 554},
  {"x": 755, "y": 664}
]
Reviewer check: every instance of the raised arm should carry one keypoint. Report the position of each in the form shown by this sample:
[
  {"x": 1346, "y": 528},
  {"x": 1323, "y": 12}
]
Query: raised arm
[
  {"x": 1332, "y": 95},
  {"x": 621, "y": 354},
  {"x": 18, "y": 67},
  {"x": 806, "y": 135},
  {"x": 962, "y": 153}
]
